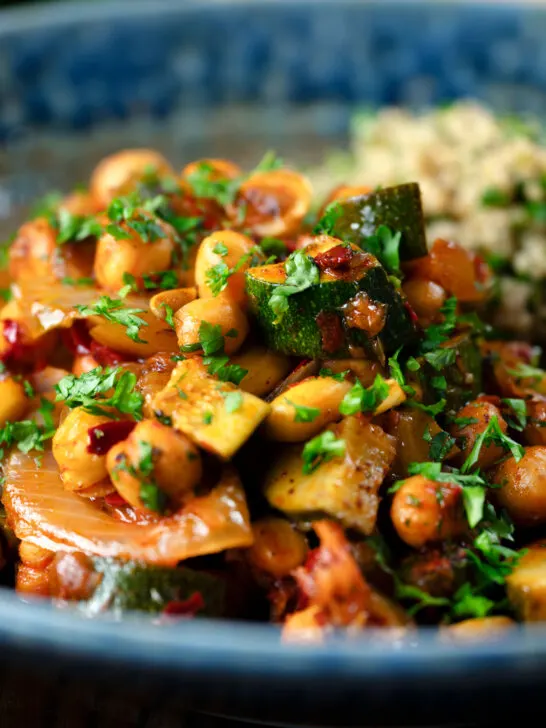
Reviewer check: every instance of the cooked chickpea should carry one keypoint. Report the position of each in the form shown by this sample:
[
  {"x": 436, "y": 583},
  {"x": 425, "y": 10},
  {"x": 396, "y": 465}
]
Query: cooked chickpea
[
  {"x": 80, "y": 203},
  {"x": 219, "y": 311},
  {"x": 426, "y": 298},
  {"x": 83, "y": 363},
  {"x": 34, "y": 252},
  {"x": 278, "y": 548},
  {"x": 78, "y": 468},
  {"x": 535, "y": 430},
  {"x": 480, "y": 629},
  {"x": 523, "y": 486},
  {"x": 112, "y": 175},
  {"x": 13, "y": 400},
  {"x": 423, "y": 511},
  {"x": 133, "y": 255},
  {"x": 275, "y": 202},
  {"x": 175, "y": 466},
  {"x": 219, "y": 169},
  {"x": 238, "y": 246},
  {"x": 35, "y": 556},
  {"x": 32, "y": 582},
  {"x": 482, "y": 412}
]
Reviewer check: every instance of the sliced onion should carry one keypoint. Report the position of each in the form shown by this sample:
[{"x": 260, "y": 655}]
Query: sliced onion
[
  {"x": 46, "y": 304},
  {"x": 43, "y": 513}
]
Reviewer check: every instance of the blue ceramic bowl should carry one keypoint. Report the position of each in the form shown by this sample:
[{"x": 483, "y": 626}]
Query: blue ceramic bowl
[{"x": 80, "y": 80}]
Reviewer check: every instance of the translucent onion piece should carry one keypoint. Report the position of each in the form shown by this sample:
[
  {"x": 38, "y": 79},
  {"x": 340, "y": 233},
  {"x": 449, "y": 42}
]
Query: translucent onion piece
[
  {"x": 43, "y": 513},
  {"x": 158, "y": 336},
  {"x": 46, "y": 304}
]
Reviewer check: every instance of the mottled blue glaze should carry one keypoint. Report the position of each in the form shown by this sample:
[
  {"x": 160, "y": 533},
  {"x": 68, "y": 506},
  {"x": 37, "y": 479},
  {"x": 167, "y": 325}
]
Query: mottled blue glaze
[{"x": 71, "y": 70}]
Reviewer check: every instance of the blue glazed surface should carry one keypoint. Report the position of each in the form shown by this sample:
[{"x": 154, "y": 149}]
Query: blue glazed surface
[{"x": 77, "y": 79}]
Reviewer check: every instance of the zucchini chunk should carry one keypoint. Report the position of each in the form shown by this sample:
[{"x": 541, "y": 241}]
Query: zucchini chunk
[
  {"x": 349, "y": 311},
  {"x": 345, "y": 487},
  {"x": 398, "y": 208},
  {"x": 135, "y": 585},
  {"x": 215, "y": 415},
  {"x": 526, "y": 585}
]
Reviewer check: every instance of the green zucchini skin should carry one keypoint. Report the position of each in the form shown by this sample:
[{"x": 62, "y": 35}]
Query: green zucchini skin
[
  {"x": 298, "y": 333},
  {"x": 135, "y": 586},
  {"x": 399, "y": 208}
]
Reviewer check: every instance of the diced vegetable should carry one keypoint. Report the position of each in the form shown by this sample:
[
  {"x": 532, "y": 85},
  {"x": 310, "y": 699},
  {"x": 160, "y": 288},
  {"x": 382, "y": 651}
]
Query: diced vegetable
[
  {"x": 265, "y": 369},
  {"x": 203, "y": 412},
  {"x": 345, "y": 487},
  {"x": 316, "y": 324},
  {"x": 134, "y": 585},
  {"x": 305, "y": 409},
  {"x": 399, "y": 208},
  {"x": 43, "y": 513},
  {"x": 527, "y": 584}
]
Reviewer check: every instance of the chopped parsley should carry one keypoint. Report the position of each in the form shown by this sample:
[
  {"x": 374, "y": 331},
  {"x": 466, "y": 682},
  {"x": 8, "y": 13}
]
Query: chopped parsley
[
  {"x": 518, "y": 407},
  {"x": 492, "y": 435},
  {"x": 441, "y": 358},
  {"x": 303, "y": 413},
  {"x": 93, "y": 391},
  {"x": 385, "y": 245},
  {"x": 526, "y": 371},
  {"x": 69, "y": 281},
  {"x": 360, "y": 399},
  {"x": 75, "y": 228},
  {"x": 320, "y": 449},
  {"x": 207, "y": 418},
  {"x": 218, "y": 275},
  {"x": 220, "y": 367},
  {"x": 233, "y": 401},
  {"x": 327, "y": 223},
  {"x": 28, "y": 389},
  {"x": 301, "y": 274},
  {"x": 338, "y": 376},
  {"x": 273, "y": 247},
  {"x": 269, "y": 162},
  {"x": 169, "y": 314},
  {"x": 205, "y": 186},
  {"x": 440, "y": 444},
  {"x": 28, "y": 435},
  {"x": 211, "y": 340},
  {"x": 115, "y": 311},
  {"x": 220, "y": 249}
]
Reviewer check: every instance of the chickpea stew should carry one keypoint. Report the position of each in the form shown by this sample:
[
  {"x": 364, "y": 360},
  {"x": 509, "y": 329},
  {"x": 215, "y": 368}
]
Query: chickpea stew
[{"x": 216, "y": 401}]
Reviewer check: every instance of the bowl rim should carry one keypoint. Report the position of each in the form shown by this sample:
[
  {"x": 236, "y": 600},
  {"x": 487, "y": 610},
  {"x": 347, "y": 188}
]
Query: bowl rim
[
  {"x": 201, "y": 646},
  {"x": 69, "y": 12}
]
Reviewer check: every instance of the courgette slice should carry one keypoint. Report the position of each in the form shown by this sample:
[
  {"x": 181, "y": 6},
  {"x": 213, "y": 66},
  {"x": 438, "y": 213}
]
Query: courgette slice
[
  {"x": 134, "y": 585},
  {"x": 315, "y": 325},
  {"x": 345, "y": 487},
  {"x": 398, "y": 208},
  {"x": 217, "y": 416}
]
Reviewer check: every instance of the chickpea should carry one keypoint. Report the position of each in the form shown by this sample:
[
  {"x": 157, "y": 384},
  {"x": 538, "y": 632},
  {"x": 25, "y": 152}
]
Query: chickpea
[
  {"x": 238, "y": 246},
  {"x": 175, "y": 466},
  {"x": 83, "y": 363},
  {"x": 78, "y": 468},
  {"x": 219, "y": 169},
  {"x": 278, "y": 548},
  {"x": 483, "y": 412},
  {"x": 34, "y": 252},
  {"x": 523, "y": 486},
  {"x": 80, "y": 203},
  {"x": 463, "y": 274},
  {"x": 220, "y": 311},
  {"x": 114, "y": 173},
  {"x": 426, "y": 298},
  {"x": 35, "y": 556},
  {"x": 275, "y": 202},
  {"x": 13, "y": 400},
  {"x": 133, "y": 255},
  {"x": 535, "y": 431},
  {"x": 32, "y": 582},
  {"x": 480, "y": 629},
  {"x": 423, "y": 510}
]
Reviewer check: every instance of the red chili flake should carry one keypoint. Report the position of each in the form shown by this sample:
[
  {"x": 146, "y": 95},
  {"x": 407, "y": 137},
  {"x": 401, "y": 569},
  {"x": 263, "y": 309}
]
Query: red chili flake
[
  {"x": 337, "y": 258},
  {"x": 77, "y": 338},
  {"x": 411, "y": 312},
  {"x": 331, "y": 331},
  {"x": 18, "y": 354},
  {"x": 105, "y": 356},
  {"x": 185, "y": 608},
  {"x": 103, "y": 437},
  {"x": 115, "y": 500},
  {"x": 481, "y": 269}
]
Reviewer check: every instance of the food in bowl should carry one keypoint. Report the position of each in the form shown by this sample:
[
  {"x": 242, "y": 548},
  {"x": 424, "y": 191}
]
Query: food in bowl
[
  {"x": 217, "y": 403},
  {"x": 483, "y": 181}
]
